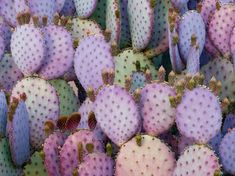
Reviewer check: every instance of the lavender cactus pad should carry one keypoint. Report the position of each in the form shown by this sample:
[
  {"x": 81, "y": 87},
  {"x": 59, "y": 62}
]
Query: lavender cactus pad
[
  {"x": 2, "y": 47},
  {"x": 3, "y": 113},
  {"x": 7, "y": 10},
  {"x": 59, "y": 52},
  {"x": 227, "y": 154},
  {"x": 42, "y": 104},
  {"x": 51, "y": 149},
  {"x": 9, "y": 72},
  {"x": 69, "y": 153},
  {"x": 117, "y": 114},
  {"x": 92, "y": 56},
  {"x": 156, "y": 111},
  {"x": 229, "y": 123},
  {"x": 68, "y": 8},
  {"x": 199, "y": 115}
]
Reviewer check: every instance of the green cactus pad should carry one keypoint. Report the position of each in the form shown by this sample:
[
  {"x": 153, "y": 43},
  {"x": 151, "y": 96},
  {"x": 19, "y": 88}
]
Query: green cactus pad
[
  {"x": 68, "y": 99},
  {"x": 99, "y": 15},
  {"x": 36, "y": 166},
  {"x": 125, "y": 65},
  {"x": 7, "y": 167}
]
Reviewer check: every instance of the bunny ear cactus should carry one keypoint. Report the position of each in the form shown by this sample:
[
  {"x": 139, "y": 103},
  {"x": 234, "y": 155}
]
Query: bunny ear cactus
[
  {"x": 197, "y": 160},
  {"x": 36, "y": 166},
  {"x": 9, "y": 73},
  {"x": 27, "y": 49},
  {"x": 18, "y": 131},
  {"x": 7, "y": 166},
  {"x": 141, "y": 18},
  {"x": 145, "y": 155},
  {"x": 42, "y": 104},
  {"x": 227, "y": 154},
  {"x": 77, "y": 146}
]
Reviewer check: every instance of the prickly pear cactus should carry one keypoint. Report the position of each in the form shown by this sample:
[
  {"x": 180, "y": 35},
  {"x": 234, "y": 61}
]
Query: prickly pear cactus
[
  {"x": 67, "y": 98},
  {"x": 125, "y": 65},
  {"x": 9, "y": 73},
  {"x": 181, "y": 5},
  {"x": 42, "y": 104},
  {"x": 141, "y": 18},
  {"x": 2, "y": 47},
  {"x": 18, "y": 131},
  {"x": 145, "y": 155},
  {"x": 198, "y": 115},
  {"x": 77, "y": 146},
  {"x": 68, "y": 8},
  {"x": 232, "y": 46},
  {"x": 156, "y": 111},
  {"x": 59, "y": 52},
  {"x": 191, "y": 23},
  {"x": 36, "y": 166},
  {"x": 7, "y": 167},
  {"x": 99, "y": 15},
  {"x": 97, "y": 164},
  {"x": 81, "y": 28},
  {"x": 220, "y": 27},
  {"x": 197, "y": 160},
  {"x": 228, "y": 89},
  {"x": 5, "y": 32},
  {"x": 43, "y": 8},
  {"x": 51, "y": 149},
  {"x": 85, "y": 8},
  {"x": 91, "y": 59},
  {"x": 21, "y": 6},
  {"x": 113, "y": 20},
  {"x": 227, "y": 154},
  {"x": 7, "y": 10},
  {"x": 27, "y": 47},
  {"x": 3, "y": 113}
]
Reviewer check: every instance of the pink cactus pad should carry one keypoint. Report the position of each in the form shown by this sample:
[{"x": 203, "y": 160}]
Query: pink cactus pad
[
  {"x": 197, "y": 160},
  {"x": 98, "y": 164},
  {"x": 221, "y": 26},
  {"x": 156, "y": 111},
  {"x": 141, "y": 18},
  {"x": 91, "y": 57},
  {"x": 148, "y": 157},
  {"x": 117, "y": 114},
  {"x": 199, "y": 115},
  {"x": 85, "y": 8},
  {"x": 69, "y": 154},
  {"x": 27, "y": 46},
  {"x": 42, "y": 104},
  {"x": 59, "y": 52},
  {"x": 51, "y": 149}
]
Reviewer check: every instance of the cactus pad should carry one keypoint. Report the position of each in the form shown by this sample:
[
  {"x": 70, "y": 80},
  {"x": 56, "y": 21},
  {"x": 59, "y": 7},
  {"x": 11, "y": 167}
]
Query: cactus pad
[
  {"x": 3, "y": 113},
  {"x": 85, "y": 8}
]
